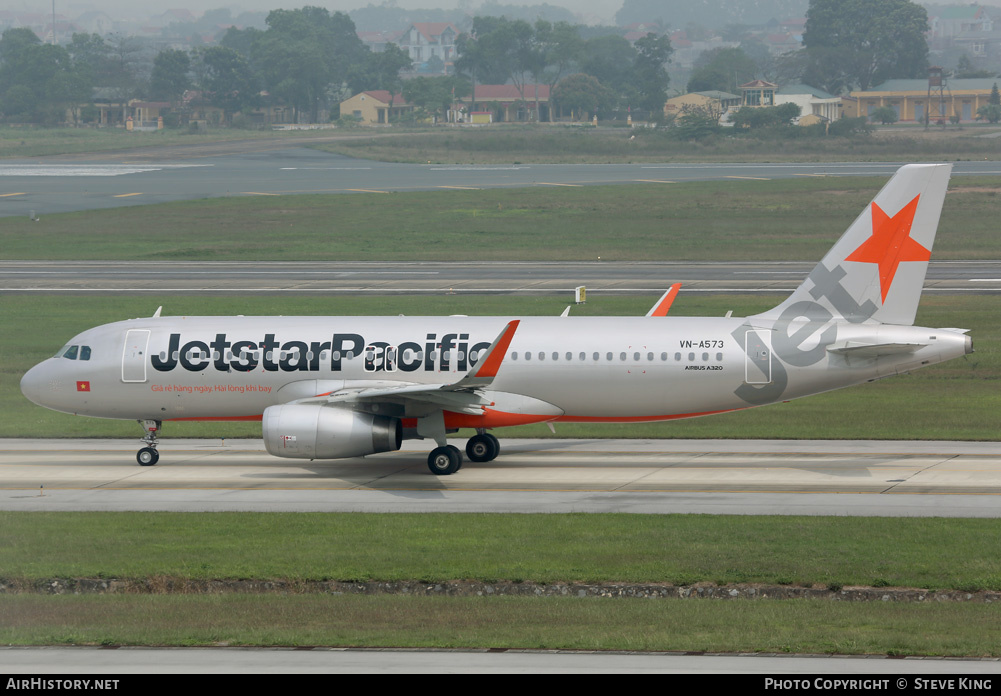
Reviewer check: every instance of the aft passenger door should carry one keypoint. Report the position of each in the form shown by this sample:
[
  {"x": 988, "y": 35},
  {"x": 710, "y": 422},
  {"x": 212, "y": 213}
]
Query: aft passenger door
[{"x": 758, "y": 365}]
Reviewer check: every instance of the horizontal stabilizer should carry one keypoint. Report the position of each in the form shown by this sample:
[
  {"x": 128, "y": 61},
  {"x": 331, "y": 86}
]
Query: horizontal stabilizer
[{"x": 872, "y": 350}]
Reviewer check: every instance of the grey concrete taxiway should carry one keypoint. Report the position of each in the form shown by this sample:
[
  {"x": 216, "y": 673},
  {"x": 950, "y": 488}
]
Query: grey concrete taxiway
[
  {"x": 46, "y": 185},
  {"x": 537, "y": 278},
  {"x": 121, "y": 662},
  {"x": 948, "y": 479}
]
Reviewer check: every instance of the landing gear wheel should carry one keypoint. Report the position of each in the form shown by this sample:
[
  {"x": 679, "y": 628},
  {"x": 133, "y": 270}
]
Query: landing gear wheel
[
  {"x": 482, "y": 448},
  {"x": 444, "y": 461},
  {"x": 458, "y": 453},
  {"x": 147, "y": 456}
]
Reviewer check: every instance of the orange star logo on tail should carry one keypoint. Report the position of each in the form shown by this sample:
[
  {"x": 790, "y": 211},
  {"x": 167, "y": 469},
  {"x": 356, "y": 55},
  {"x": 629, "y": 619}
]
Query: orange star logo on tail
[{"x": 890, "y": 244}]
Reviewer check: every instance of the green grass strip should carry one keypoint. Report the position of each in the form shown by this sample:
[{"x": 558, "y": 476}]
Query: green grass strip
[
  {"x": 962, "y": 554},
  {"x": 781, "y": 220},
  {"x": 547, "y": 144},
  {"x": 20, "y": 141},
  {"x": 504, "y": 622}
]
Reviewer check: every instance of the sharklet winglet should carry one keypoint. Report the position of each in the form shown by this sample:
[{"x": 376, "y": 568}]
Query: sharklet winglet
[{"x": 663, "y": 305}]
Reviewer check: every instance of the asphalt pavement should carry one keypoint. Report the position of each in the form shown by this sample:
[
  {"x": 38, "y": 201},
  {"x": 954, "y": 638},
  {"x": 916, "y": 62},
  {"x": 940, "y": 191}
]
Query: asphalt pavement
[{"x": 48, "y": 185}]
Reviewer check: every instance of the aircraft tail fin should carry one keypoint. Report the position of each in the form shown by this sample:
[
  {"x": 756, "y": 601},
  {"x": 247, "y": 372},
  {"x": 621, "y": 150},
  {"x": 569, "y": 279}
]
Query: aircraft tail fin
[{"x": 876, "y": 271}]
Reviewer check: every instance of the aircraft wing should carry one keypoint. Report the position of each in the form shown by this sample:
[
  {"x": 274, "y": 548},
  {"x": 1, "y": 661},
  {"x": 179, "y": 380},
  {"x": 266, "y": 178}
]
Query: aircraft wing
[{"x": 464, "y": 396}]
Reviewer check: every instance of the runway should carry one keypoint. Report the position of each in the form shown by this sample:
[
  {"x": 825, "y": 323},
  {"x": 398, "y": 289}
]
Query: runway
[
  {"x": 859, "y": 478},
  {"x": 60, "y": 184},
  {"x": 387, "y": 278}
]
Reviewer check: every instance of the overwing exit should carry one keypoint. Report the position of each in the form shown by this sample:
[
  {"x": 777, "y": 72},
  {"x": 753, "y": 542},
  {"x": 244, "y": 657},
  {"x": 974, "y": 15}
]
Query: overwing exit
[{"x": 333, "y": 387}]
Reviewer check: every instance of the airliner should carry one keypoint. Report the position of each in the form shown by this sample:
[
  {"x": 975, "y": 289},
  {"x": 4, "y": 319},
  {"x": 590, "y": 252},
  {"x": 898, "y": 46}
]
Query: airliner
[{"x": 335, "y": 387}]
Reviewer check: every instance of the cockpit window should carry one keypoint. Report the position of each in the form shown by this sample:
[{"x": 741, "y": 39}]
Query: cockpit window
[
  {"x": 71, "y": 352},
  {"x": 85, "y": 352}
]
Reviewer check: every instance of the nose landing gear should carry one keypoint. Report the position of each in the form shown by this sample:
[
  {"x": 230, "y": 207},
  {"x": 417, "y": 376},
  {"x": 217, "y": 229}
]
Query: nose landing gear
[{"x": 148, "y": 456}]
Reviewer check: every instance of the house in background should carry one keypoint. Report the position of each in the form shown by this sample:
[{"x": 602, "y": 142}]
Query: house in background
[
  {"x": 507, "y": 104},
  {"x": 375, "y": 107},
  {"x": 811, "y": 102},
  {"x": 758, "y": 93},
  {"x": 429, "y": 42},
  {"x": 913, "y": 101},
  {"x": 711, "y": 102}
]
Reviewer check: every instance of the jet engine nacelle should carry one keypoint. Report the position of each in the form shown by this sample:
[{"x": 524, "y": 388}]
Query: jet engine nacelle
[{"x": 311, "y": 431}]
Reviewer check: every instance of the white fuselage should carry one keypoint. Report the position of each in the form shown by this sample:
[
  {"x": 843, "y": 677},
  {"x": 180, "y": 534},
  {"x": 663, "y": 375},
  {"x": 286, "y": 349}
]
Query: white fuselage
[{"x": 556, "y": 368}]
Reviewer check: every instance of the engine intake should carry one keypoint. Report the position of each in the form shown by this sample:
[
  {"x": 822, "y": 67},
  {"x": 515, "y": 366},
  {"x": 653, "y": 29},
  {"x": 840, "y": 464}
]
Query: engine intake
[{"x": 309, "y": 431}]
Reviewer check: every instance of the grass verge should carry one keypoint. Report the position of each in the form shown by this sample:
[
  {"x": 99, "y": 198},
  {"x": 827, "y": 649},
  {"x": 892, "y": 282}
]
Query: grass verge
[
  {"x": 928, "y": 553},
  {"x": 689, "y": 221},
  {"x": 503, "y": 622},
  {"x": 519, "y": 144},
  {"x": 28, "y": 141},
  {"x": 921, "y": 552},
  {"x": 966, "y": 395}
]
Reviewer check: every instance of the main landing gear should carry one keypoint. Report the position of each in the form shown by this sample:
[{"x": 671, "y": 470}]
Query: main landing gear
[
  {"x": 148, "y": 456},
  {"x": 446, "y": 460}
]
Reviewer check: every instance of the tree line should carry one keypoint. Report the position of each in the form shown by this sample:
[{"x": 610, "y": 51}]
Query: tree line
[{"x": 310, "y": 60}]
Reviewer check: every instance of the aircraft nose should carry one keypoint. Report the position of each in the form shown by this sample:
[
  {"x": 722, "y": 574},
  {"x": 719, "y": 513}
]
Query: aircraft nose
[{"x": 34, "y": 384}]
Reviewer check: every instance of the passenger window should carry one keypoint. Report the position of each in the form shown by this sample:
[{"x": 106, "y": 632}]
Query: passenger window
[
  {"x": 85, "y": 352},
  {"x": 72, "y": 352},
  {"x": 514, "y": 355}
]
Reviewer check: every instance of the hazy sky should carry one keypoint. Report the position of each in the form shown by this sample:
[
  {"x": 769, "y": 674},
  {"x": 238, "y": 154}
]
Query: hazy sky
[{"x": 591, "y": 11}]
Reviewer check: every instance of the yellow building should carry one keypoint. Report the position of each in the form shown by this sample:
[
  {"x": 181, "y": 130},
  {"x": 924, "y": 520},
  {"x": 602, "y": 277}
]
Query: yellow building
[
  {"x": 711, "y": 102},
  {"x": 912, "y": 101},
  {"x": 375, "y": 107}
]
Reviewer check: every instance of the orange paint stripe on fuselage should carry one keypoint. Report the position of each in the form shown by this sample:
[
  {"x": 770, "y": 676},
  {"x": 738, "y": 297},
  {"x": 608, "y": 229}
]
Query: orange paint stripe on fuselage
[{"x": 501, "y": 419}]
